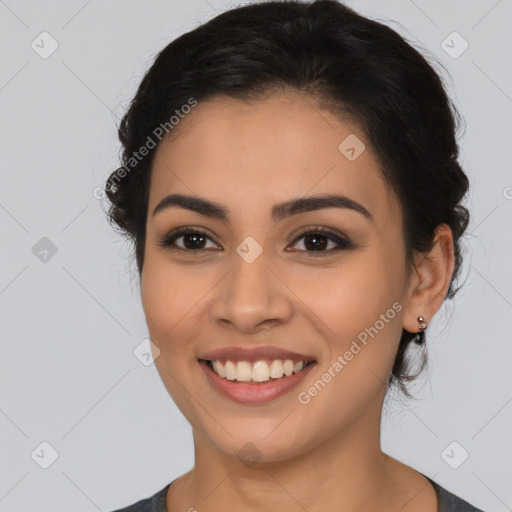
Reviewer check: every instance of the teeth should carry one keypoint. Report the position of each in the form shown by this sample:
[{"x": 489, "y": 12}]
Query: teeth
[
  {"x": 260, "y": 371},
  {"x": 230, "y": 370},
  {"x": 243, "y": 371},
  {"x": 288, "y": 367},
  {"x": 276, "y": 369},
  {"x": 297, "y": 367},
  {"x": 219, "y": 369}
]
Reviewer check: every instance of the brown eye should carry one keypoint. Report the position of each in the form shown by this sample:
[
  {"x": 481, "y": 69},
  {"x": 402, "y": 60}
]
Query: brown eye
[
  {"x": 193, "y": 240},
  {"x": 317, "y": 241}
]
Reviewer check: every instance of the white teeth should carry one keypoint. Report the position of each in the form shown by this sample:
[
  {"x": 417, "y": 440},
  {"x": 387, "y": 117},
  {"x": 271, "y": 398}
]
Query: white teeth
[
  {"x": 219, "y": 369},
  {"x": 260, "y": 371},
  {"x": 230, "y": 370},
  {"x": 288, "y": 367},
  {"x": 276, "y": 369},
  {"x": 243, "y": 371}
]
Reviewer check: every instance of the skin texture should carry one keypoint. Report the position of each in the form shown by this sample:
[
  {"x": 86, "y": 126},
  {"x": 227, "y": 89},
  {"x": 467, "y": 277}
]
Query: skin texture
[{"x": 249, "y": 156}]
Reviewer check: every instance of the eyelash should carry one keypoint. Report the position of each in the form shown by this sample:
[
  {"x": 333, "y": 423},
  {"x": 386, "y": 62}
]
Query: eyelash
[{"x": 343, "y": 244}]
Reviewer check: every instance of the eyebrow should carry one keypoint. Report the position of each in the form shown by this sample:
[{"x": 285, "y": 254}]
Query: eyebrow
[{"x": 279, "y": 211}]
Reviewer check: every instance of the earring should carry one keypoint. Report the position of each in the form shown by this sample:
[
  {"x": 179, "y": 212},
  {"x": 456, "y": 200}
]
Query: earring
[{"x": 420, "y": 337}]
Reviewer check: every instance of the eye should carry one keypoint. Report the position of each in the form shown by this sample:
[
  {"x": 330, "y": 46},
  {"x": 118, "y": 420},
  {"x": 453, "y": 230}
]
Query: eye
[
  {"x": 194, "y": 240},
  {"x": 316, "y": 240}
]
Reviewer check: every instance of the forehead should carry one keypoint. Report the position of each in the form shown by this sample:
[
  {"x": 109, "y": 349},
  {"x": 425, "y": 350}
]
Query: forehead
[{"x": 252, "y": 154}]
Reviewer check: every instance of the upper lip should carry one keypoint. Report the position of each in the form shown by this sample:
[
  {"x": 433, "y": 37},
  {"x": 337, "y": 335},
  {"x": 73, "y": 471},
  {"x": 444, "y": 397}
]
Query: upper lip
[{"x": 254, "y": 354}]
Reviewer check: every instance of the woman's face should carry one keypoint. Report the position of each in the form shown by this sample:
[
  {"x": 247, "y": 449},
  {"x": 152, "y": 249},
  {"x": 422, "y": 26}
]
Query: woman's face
[{"x": 252, "y": 280}]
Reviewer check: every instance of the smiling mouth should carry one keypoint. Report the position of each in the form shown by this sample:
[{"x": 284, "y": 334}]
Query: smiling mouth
[{"x": 258, "y": 372}]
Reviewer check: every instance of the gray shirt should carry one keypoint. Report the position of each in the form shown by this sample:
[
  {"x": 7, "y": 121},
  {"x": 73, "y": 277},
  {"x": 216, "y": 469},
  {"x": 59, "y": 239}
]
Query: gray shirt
[{"x": 448, "y": 502}]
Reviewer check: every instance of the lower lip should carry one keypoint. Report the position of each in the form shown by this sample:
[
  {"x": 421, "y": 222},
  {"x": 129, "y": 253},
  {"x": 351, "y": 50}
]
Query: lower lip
[{"x": 254, "y": 393}]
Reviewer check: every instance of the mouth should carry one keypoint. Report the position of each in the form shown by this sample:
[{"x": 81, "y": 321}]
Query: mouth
[
  {"x": 256, "y": 382},
  {"x": 256, "y": 372}
]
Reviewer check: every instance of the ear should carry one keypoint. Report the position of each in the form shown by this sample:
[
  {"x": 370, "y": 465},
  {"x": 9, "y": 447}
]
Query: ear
[{"x": 430, "y": 280}]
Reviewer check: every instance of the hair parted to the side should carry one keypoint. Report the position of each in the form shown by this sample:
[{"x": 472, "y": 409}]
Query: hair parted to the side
[{"x": 351, "y": 65}]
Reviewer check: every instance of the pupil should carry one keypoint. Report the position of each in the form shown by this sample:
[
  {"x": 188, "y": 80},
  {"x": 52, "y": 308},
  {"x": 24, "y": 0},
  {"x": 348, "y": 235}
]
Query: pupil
[
  {"x": 193, "y": 236},
  {"x": 315, "y": 246}
]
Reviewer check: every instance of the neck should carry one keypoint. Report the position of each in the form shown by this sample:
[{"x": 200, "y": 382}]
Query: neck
[{"x": 346, "y": 471}]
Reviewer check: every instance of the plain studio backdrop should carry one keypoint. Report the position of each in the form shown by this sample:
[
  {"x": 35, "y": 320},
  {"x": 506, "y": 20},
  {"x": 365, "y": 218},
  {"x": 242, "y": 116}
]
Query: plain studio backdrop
[{"x": 85, "y": 425}]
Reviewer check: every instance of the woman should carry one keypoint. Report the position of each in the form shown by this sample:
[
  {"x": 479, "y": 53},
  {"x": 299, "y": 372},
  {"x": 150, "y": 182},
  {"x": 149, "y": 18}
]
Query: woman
[{"x": 291, "y": 185}]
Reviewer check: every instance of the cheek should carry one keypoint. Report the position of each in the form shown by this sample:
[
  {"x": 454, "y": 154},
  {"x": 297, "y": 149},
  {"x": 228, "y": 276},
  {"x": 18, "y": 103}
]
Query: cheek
[
  {"x": 357, "y": 309},
  {"x": 350, "y": 297},
  {"x": 165, "y": 297},
  {"x": 359, "y": 315},
  {"x": 172, "y": 297}
]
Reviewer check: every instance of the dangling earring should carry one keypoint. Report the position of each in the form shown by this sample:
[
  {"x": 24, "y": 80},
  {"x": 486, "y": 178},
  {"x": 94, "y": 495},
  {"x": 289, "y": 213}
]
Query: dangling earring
[{"x": 420, "y": 336}]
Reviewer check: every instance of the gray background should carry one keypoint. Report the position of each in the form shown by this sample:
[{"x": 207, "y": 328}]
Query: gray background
[{"x": 70, "y": 323}]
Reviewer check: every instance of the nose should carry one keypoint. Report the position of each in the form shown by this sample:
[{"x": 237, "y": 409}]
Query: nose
[{"x": 251, "y": 297}]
